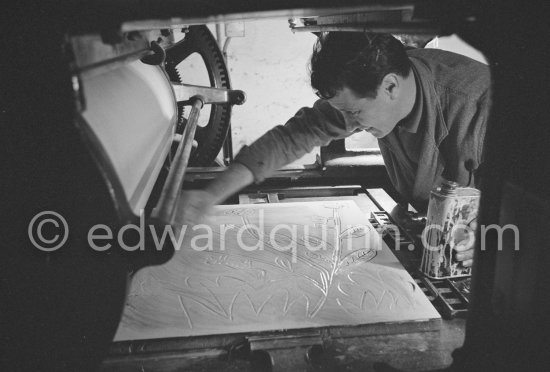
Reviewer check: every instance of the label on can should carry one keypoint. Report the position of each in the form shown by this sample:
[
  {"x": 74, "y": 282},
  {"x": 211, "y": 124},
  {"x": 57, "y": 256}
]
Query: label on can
[{"x": 451, "y": 220}]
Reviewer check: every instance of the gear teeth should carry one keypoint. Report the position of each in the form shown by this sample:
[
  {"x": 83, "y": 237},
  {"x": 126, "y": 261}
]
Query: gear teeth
[
  {"x": 211, "y": 137},
  {"x": 174, "y": 75},
  {"x": 205, "y": 156}
]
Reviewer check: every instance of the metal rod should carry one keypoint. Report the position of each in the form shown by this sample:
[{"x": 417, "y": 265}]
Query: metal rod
[
  {"x": 184, "y": 93},
  {"x": 228, "y": 143},
  {"x": 219, "y": 35},
  {"x": 225, "y": 47},
  {"x": 106, "y": 65},
  {"x": 166, "y": 206},
  {"x": 410, "y": 28}
]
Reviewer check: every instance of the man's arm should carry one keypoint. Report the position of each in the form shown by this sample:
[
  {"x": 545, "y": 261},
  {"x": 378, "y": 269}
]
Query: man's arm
[
  {"x": 281, "y": 145},
  {"x": 194, "y": 205},
  {"x": 233, "y": 179}
]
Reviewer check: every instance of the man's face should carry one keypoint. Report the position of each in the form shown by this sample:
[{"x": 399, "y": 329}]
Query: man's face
[{"x": 377, "y": 116}]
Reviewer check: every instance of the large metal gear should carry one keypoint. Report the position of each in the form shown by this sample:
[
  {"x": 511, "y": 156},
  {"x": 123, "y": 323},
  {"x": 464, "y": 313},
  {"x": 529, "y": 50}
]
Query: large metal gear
[{"x": 210, "y": 138}]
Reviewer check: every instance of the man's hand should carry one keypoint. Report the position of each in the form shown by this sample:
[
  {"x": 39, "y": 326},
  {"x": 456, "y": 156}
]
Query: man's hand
[
  {"x": 465, "y": 246},
  {"x": 194, "y": 207},
  {"x": 465, "y": 253}
]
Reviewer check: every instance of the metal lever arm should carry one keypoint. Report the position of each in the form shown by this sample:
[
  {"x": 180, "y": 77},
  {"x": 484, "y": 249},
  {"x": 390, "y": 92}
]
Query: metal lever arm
[
  {"x": 184, "y": 92},
  {"x": 166, "y": 206}
]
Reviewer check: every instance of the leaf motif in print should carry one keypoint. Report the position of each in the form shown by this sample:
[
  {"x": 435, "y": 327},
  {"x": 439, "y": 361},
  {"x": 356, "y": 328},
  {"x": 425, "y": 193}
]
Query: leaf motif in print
[
  {"x": 355, "y": 258},
  {"x": 356, "y": 231},
  {"x": 283, "y": 263}
]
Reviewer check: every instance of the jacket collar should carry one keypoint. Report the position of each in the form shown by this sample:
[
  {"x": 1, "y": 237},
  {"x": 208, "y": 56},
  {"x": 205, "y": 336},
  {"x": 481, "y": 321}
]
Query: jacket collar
[
  {"x": 411, "y": 122},
  {"x": 426, "y": 96}
]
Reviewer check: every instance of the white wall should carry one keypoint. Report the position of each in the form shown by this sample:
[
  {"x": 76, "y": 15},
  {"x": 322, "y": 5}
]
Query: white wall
[{"x": 270, "y": 64}]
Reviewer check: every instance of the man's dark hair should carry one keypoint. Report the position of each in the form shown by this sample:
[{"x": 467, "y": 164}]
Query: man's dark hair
[{"x": 356, "y": 60}]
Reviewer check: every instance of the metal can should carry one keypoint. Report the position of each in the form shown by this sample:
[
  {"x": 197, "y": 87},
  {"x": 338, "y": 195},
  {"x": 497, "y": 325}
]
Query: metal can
[{"x": 451, "y": 220}]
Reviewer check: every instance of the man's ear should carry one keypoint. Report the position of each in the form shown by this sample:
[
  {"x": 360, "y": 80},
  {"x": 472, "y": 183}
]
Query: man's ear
[{"x": 390, "y": 83}]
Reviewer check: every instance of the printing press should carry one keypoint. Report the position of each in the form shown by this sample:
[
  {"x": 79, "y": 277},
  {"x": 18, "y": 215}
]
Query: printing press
[{"x": 100, "y": 135}]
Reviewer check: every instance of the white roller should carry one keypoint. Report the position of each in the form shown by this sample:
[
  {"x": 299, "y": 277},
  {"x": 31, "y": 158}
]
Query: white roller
[{"x": 132, "y": 109}]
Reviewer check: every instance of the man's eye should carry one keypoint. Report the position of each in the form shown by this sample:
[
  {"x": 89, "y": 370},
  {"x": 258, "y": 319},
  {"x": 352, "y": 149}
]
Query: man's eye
[{"x": 352, "y": 113}]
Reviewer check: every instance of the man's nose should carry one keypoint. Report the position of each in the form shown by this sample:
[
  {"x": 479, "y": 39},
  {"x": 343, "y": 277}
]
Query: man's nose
[{"x": 351, "y": 121}]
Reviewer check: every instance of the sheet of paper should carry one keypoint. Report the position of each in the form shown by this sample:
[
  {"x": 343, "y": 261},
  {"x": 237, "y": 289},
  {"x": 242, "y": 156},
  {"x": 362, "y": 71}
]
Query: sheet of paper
[{"x": 271, "y": 267}]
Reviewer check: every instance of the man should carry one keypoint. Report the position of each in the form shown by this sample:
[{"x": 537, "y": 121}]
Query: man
[{"x": 428, "y": 109}]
